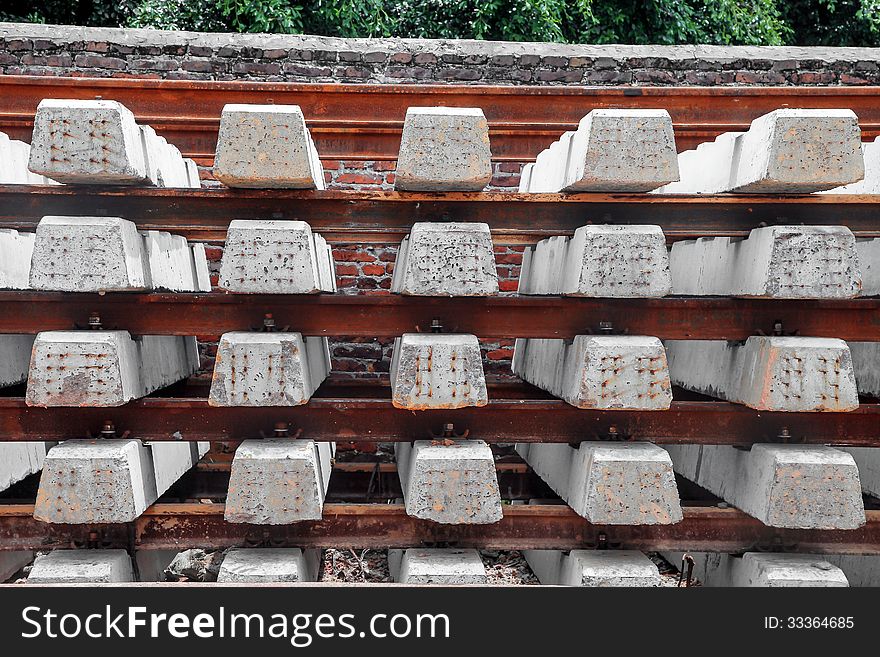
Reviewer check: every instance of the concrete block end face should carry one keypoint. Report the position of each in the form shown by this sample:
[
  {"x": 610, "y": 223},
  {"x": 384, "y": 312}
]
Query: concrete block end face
[
  {"x": 262, "y": 369},
  {"x": 447, "y": 259},
  {"x": 82, "y": 567},
  {"x": 807, "y": 487},
  {"x": 87, "y": 141},
  {"x": 453, "y": 484},
  {"x": 798, "y": 374},
  {"x": 274, "y": 482},
  {"x": 270, "y": 257},
  {"x": 623, "y": 151},
  {"x": 813, "y": 150},
  {"x": 616, "y": 261},
  {"x": 265, "y": 565},
  {"x": 441, "y": 566},
  {"x": 812, "y": 262},
  {"x": 437, "y": 371},
  {"x": 609, "y": 568},
  {"x": 264, "y": 146},
  {"x": 82, "y": 368},
  {"x": 93, "y": 481},
  {"x": 444, "y": 149},
  {"x": 623, "y": 372},
  {"x": 631, "y": 484},
  {"x": 88, "y": 254},
  {"x": 786, "y": 570}
]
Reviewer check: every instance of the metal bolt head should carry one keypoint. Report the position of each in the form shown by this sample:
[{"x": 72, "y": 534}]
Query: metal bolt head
[
  {"x": 606, "y": 327},
  {"x": 268, "y": 323},
  {"x": 436, "y": 326},
  {"x": 281, "y": 429}
]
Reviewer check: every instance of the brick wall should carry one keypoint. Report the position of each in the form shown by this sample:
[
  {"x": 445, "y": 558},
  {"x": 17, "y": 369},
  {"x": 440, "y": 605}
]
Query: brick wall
[{"x": 27, "y": 49}]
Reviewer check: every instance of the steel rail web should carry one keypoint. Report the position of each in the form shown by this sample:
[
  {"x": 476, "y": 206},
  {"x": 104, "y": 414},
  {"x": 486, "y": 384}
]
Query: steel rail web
[
  {"x": 523, "y": 120},
  {"x": 179, "y": 526},
  {"x": 357, "y": 419},
  {"x": 388, "y": 316}
]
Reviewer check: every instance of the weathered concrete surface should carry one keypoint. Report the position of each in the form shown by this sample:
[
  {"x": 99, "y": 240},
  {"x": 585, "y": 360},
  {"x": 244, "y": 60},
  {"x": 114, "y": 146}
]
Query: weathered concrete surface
[
  {"x": 105, "y": 368},
  {"x": 275, "y": 482},
  {"x": 444, "y": 566},
  {"x": 95, "y": 254},
  {"x": 599, "y": 261},
  {"x": 762, "y": 569},
  {"x": 109, "y": 480},
  {"x": 19, "y": 460},
  {"x": 16, "y": 250},
  {"x": 609, "y": 483},
  {"x": 82, "y": 567},
  {"x": 88, "y": 254},
  {"x": 792, "y": 486},
  {"x": 607, "y": 372},
  {"x": 151, "y": 564},
  {"x": 259, "y": 565},
  {"x": 437, "y": 371},
  {"x": 768, "y": 373},
  {"x": 268, "y": 369},
  {"x": 174, "y": 264},
  {"x": 266, "y": 146},
  {"x": 444, "y": 149},
  {"x": 276, "y": 257},
  {"x": 83, "y": 368},
  {"x": 446, "y": 259},
  {"x": 15, "y": 356},
  {"x": 781, "y": 262},
  {"x": 12, "y": 562},
  {"x": 871, "y": 182},
  {"x": 617, "y": 568},
  {"x": 785, "y": 151},
  {"x": 866, "y": 366},
  {"x": 860, "y": 570},
  {"x": 449, "y": 484},
  {"x": 869, "y": 260},
  {"x": 99, "y": 142},
  {"x": 14, "y": 156},
  {"x": 613, "y": 150}
]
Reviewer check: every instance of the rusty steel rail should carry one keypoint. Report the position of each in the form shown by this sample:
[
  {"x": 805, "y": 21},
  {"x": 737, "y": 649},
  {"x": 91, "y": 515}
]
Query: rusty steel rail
[
  {"x": 387, "y": 316},
  {"x": 345, "y": 216},
  {"x": 180, "y": 526},
  {"x": 523, "y": 120},
  {"x": 501, "y": 421}
]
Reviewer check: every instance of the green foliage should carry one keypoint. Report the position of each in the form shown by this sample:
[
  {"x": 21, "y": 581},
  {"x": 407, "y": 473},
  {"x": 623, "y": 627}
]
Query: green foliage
[
  {"x": 725, "y": 22},
  {"x": 834, "y": 22},
  {"x": 218, "y": 15}
]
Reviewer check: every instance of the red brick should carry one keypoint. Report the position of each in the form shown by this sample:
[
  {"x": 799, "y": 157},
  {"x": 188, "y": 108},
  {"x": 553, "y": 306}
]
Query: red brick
[
  {"x": 510, "y": 167},
  {"x": 348, "y": 255},
  {"x": 846, "y": 78},
  {"x": 332, "y": 165},
  {"x": 358, "y": 178},
  {"x": 346, "y": 281},
  {"x": 500, "y": 354},
  {"x": 504, "y": 181},
  {"x": 509, "y": 258},
  {"x": 373, "y": 270},
  {"x": 213, "y": 253},
  {"x": 346, "y": 270},
  {"x": 508, "y": 286},
  {"x": 384, "y": 166}
]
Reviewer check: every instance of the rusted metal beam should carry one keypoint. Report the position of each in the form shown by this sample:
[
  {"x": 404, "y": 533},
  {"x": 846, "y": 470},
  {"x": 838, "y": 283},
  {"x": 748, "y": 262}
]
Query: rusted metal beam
[
  {"x": 344, "y": 216},
  {"x": 501, "y": 421},
  {"x": 523, "y": 120},
  {"x": 386, "y": 316},
  {"x": 180, "y": 526}
]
